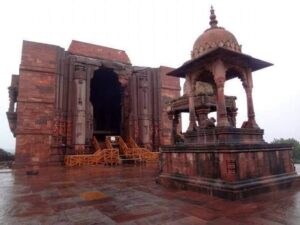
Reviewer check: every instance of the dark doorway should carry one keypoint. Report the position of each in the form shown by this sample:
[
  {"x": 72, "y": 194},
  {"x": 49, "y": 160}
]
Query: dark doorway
[{"x": 106, "y": 99}]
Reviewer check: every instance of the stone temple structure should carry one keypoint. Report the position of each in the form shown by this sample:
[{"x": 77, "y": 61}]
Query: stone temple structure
[
  {"x": 61, "y": 99},
  {"x": 221, "y": 159}
]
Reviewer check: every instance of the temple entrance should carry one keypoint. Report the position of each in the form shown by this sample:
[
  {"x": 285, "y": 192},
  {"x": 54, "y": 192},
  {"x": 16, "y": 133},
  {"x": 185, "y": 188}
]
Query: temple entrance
[{"x": 106, "y": 100}]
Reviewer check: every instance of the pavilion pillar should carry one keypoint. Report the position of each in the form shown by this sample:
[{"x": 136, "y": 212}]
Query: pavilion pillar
[
  {"x": 202, "y": 117},
  {"x": 232, "y": 113},
  {"x": 174, "y": 117},
  {"x": 190, "y": 91},
  {"x": 219, "y": 72},
  {"x": 248, "y": 86},
  {"x": 175, "y": 124},
  {"x": 171, "y": 117}
]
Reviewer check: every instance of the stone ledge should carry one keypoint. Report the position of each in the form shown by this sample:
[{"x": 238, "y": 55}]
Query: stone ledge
[
  {"x": 230, "y": 190},
  {"x": 225, "y": 148},
  {"x": 51, "y": 71},
  {"x": 225, "y": 135}
]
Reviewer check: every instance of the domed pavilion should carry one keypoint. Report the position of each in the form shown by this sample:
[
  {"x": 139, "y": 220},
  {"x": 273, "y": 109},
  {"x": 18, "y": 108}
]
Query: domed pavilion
[{"x": 221, "y": 159}]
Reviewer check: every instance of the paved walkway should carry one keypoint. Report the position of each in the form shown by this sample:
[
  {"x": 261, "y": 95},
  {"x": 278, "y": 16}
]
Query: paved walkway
[{"x": 129, "y": 195}]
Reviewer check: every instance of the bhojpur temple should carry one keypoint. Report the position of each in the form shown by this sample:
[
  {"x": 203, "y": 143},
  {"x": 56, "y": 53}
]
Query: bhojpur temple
[
  {"x": 64, "y": 103},
  {"x": 62, "y": 99}
]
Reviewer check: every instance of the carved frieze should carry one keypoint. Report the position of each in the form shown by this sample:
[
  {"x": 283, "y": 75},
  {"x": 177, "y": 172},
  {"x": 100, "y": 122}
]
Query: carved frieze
[
  {"x": 80, "y": 72},
  {"x": 231, "y": 166},
  {"x": 12, "y": 121}
]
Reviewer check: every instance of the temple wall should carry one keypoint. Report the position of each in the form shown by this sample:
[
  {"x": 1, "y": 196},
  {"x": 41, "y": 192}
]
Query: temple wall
[
  {"x": 151, "y": 90},
  {"x": 54, "y": 112},
  {"x": 35, "y": 103},
  {"x": 169, "y": 89},
  {"x": 141, "y": 105}
]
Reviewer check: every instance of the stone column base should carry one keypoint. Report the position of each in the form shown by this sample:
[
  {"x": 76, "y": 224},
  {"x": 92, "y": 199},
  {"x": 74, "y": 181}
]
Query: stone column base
[{"x": 231, "y": 171}]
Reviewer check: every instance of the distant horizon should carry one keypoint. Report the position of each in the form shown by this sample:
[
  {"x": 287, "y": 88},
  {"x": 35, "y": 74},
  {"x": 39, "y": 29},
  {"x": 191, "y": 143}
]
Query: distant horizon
[
  {"x": 14, "y": 150},
  {"x": 9, "y": 150}
]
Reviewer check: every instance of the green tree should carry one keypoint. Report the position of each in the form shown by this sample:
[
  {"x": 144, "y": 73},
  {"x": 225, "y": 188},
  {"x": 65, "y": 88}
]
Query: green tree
[
  {"x": 5, "y": 156},
  {"x": 292, "y": 141}
]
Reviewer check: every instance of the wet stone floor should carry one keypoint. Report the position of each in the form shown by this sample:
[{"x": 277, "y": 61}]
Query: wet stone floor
[{"x": 129, "y": 195}]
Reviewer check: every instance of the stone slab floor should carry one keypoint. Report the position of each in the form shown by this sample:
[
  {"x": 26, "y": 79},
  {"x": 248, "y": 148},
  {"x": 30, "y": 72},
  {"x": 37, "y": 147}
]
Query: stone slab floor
[{"x": 128, "y": 195}]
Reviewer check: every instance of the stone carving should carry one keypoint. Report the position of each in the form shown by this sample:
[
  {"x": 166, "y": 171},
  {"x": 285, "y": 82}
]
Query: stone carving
[
  {"x": 200, "y": 88},
  {"x": 203, "y": 88},
  {"x": 13, "y": 95}
]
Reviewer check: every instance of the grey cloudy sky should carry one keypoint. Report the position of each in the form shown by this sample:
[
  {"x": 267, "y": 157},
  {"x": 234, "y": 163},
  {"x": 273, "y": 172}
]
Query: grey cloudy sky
[{"x": 162, "y": 32}]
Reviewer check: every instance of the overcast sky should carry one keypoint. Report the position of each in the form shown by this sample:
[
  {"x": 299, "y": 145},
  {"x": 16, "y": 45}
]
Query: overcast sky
[{"x": 162, "y": 32}]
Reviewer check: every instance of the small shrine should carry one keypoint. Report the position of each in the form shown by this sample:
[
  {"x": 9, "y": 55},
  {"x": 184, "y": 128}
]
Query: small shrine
[{"x": 219, "y": 158}]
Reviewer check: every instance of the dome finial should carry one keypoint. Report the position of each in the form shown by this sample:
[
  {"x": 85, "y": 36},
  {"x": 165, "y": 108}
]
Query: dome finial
[{"x": 213, "y": 21}]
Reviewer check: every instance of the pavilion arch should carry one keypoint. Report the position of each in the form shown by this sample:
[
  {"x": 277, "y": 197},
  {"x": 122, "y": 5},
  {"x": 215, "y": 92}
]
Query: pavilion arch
[
  {"x": 231, "y": 74},
  {"x": 205, "y": 75},
  {"x": 245, "y": 78}
]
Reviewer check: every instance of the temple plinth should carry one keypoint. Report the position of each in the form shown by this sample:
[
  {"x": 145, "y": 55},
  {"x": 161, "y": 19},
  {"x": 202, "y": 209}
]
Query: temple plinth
[{"x": 219, "y": 158}]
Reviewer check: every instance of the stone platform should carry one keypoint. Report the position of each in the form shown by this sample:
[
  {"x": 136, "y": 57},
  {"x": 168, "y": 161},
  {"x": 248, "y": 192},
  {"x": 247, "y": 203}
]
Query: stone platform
[
  {"x": 224, "y": 135},
  {"x": 129, "y": 196},
  {"x": 231, "y": 171}
]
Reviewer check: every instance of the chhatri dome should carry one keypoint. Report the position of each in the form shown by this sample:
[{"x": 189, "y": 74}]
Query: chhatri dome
[{"x": 214, "y": 37}]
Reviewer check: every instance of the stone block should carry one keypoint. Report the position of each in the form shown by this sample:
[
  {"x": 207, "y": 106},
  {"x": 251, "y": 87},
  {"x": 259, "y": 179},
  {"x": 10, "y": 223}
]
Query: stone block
[
  {"x": 97, "y": 51},
  {"x": 39, "y": 55},
  {"x": 32, "y": 147},
  {"x": 35, "y": 118},
  {"x": 34, "y": 86}
]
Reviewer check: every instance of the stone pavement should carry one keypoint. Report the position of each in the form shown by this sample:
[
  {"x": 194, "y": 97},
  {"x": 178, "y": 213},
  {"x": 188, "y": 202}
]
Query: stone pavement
[{"x": 129, "y": 195}]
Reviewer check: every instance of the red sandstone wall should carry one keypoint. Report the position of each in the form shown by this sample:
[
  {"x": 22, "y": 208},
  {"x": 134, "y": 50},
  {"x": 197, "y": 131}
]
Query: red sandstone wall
[
  {"x": 170, "y": 89},
  {"x": 98, "y": 52},
  {"x": 39, "y": 99},
  {"x": 229, "y": 166},
  {"x": 35, "y": 108}
]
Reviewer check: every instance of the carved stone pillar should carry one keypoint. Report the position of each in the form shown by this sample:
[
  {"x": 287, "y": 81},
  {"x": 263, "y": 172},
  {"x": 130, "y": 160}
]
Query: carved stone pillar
[
  {"x": 219, "y": 72},
  {"x": 123, "y": 76},
  {"x": 202, "y": 117},
  {"x": 80, "y": 108},
  {"x": 11, "y": 114},
  {"x": 248, "y": 86},
  {"x": 232, "y": 113},
  {"x": 190, "y": 90},
  {"x": 143, "y": 108},
  {"x": 171, "y": 117},
  {"x": 133, "y": 116},
  {"x": 89, "y": 110},
  {"x": 12, "y": 98},
  {"x": 174, "y": 117},
  {"x": 176, "y": 122}
]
